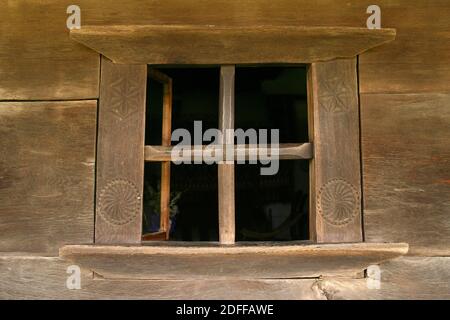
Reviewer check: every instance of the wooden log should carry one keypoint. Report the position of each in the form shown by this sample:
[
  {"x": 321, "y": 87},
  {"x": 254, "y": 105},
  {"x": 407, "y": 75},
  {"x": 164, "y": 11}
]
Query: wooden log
[
  {"x": 47, "y": 171},
  {"x": 120, "y": 158},
  {"x": 172, "y": 44},
  {"x": 38, "y": 60},
  {"x": 406, "y": 278},
  {"x": 35, "y": 277},
  {"x": 336, "y": 171},
  {"x": 226, "y": 168},
  {"x": 27, "y": 277},
  {"x": 406, "y": 156},
  {"x": 286, "y": 151},
  {"x": 49, "y": 65}
]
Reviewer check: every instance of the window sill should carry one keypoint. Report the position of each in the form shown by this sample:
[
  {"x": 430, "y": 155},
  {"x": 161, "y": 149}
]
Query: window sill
[{"x": 245, "y": 260}]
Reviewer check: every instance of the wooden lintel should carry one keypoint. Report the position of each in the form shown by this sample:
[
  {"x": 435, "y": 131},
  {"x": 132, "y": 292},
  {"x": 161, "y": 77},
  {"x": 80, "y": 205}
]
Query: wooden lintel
[{"x": 173, "y": 44}]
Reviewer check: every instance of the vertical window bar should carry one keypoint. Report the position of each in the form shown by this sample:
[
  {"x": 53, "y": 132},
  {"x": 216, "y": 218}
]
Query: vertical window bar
[{"x": 226, "y": 168}]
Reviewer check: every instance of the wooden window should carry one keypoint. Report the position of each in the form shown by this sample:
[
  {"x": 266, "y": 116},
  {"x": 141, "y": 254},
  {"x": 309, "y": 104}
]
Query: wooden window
[
  {"x": 335, "y": 168},
  {"x": 335, "y": 210},
  {"x": 226, "y": 174},
  {"x": 330, "y": 52}
]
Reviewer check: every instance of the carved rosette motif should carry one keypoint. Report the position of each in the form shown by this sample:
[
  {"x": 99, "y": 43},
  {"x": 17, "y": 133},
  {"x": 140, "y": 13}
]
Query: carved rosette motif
[
  {"x": 338, "y": 202},
  {"x": 335, "y": 96},
  {"x": 119, "y": 202},
  {"x": 125, "y": 97}
]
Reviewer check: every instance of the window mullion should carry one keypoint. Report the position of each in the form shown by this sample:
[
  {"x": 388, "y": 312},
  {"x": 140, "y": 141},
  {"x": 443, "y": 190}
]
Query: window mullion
[{"x": 226, "y": 168}]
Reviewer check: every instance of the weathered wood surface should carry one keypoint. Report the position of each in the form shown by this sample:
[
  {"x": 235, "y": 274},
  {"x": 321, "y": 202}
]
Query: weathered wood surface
[
  {"x": 120, "y": 156},
  {"x": 406, "y": 156},
  {"x": 336, "y": 188},
  {"x": 29, "y": 277},
  {"x": 401, "y": 278},
  {"x": 47, "y": 152},
  {"x": 45, "y": 278},
  {"x": 226, "y": 181},
  {"x": 418, "y": 60},
  {"x": 286, "y": 151},
  {"x": 273, "y": 261},
  {"x": 172, "y": 44},
  {"x": 38, "y": 61}
]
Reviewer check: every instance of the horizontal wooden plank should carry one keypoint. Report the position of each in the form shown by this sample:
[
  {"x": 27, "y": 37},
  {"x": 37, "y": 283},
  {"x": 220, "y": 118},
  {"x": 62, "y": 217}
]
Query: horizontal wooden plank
[
  {"x": 401, "y": 278},
  {"x": 25, "y": 277},
  {"x": 395, "y": 13},
  {"x": 38, "y": 61},
  {"x": 286, "y": 151},
  {"x": 406, "y": 171},
  {"x": 47, "y": 157},
  {"x": 172, "y": 44},
  {"x": 28, "y": 277},
  {"x": 199, "y": 261},
  {"x": 417, "y": 61}
]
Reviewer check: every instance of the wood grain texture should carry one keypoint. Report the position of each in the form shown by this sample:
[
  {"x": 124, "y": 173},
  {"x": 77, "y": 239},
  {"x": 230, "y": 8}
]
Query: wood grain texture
[
  {"x": 286, "y": 151},
  {"x": 120, "y": 157},
  {"x": 406, "y": 156},
  {"x": 226, "y": 185},
  {"x": 47, "y": 152},
  {"x": 38, "y": 61},
  {"x": 402, "y": 278},
  {"x": 279, "y": 261},
  {"x": 403, "y": 65},
  {"x": 28, "y": 277},
  {"x": 172, "y": 44},
  {"x": 418, "y": 60},
  {"x": 336, "y": 187}
]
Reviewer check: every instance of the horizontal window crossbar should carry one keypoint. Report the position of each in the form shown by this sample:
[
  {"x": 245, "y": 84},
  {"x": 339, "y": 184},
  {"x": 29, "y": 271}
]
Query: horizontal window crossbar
[{"x": 286, "y": 151}]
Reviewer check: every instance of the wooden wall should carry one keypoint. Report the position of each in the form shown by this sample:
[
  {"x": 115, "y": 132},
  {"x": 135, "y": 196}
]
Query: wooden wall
[{"x": 48, "y": 140}]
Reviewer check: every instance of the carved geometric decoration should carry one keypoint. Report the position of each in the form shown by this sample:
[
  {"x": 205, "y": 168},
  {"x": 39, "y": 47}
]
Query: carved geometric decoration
[
  {"x": 119, "y": 202},
  {"x": 125, "y": 97},
  {"x": 336, "y": 96},
  {"x": 338, "y": 202}
]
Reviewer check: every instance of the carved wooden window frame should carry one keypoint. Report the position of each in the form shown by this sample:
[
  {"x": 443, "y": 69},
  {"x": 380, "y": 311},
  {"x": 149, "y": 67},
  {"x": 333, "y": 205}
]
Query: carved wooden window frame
[
  {"x": 333, "y": 111},
  {"x": 335, "y": 170},
  {"x": 329, "y": 52}
]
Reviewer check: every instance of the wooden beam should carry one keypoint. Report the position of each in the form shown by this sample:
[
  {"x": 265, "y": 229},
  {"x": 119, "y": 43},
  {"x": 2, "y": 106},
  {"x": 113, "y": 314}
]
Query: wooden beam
[
  {"x": 336, "y": 170},
  {"x": 286, "y": 151},
  {"x": 34, "y": 277},
  {"x": 47, "y": 170},
  {"x": 120, "y": 158},
  {"x": 226, "y": 168},
  {"x": 172, "y": 44},
  {"x": 406, "y": 156},
  {"x": 214, "y": 261}
]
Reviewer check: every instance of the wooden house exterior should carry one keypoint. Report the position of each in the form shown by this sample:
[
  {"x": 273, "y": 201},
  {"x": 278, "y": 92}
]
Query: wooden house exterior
[{"x": 385, "y": 143}]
